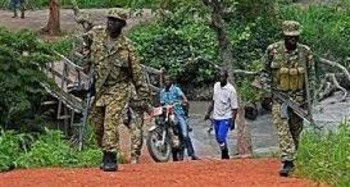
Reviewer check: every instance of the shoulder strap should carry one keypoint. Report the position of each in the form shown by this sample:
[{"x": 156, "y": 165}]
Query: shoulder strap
[{"x": 104, "y": 78}]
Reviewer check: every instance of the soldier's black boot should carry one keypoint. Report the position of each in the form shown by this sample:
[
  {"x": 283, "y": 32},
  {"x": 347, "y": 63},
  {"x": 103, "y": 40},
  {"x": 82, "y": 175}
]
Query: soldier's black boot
[
  {"x": 103, "y": 160},
  {"x": 288, "y": 166},
  {"x": 110, "y": 163},
  {"x": 224, "y": 153}
]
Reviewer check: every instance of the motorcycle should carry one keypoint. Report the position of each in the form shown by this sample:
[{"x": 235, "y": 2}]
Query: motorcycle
[{"x": 164, "y": 137}]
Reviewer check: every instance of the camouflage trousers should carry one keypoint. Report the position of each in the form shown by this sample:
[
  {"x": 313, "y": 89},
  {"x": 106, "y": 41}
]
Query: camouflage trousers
[
  {"x": 288, "y": 130},
  {"x": 107, "y": 115},
  {"x": 136, "y": 131}
]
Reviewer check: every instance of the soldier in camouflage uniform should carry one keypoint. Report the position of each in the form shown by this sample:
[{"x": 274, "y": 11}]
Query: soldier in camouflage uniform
[
  {"x": 285, "y": 65},
  {"x": 116, "y": 67},
  {"x": 18, "y": 4}
]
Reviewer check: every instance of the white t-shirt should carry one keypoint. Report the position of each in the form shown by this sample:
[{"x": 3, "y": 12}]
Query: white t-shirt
[{"x": 225, "y": 100}]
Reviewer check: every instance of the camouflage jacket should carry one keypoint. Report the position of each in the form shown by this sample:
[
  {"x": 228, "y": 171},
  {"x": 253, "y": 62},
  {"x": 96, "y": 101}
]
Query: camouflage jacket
[
  {"x": 278, "y": 60},
  {"x": 115, "y": 65}
]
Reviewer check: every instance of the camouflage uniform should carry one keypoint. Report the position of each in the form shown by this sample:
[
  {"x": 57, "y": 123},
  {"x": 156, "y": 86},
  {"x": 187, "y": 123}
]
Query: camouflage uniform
[
  {"x": 284, "y": 72},
  {"x": 116, "y": 68},
  {"x": 135, "y": 115}
]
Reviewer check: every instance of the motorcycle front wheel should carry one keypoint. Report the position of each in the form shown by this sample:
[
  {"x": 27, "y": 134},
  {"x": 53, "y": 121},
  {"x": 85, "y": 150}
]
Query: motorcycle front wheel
[{"x": 160, "y": 152}]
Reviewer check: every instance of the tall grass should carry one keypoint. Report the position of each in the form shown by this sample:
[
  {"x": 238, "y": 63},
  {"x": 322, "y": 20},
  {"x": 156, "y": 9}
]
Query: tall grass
[
  {"x": 326, "y": 158},
  {"x": 49, "y": 149}
]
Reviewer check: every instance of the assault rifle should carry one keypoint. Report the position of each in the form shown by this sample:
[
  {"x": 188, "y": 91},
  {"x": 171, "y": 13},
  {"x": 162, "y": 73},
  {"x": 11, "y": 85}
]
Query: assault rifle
[
  {"x": 297, "y": 109},
  {"x": 89, "y": 94}
]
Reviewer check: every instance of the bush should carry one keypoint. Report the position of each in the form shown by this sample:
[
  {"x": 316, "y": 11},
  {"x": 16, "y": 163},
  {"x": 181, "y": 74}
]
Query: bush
[
  {"x": 171, "y": 41},
  {"x": 21, "y": 57},
  {"x": 90, "y": 157},
  {"x": 324, "y": 29},
  {"x": 9, "y": 148},
  {"x": 50, "y": 149},
  {"x": 326, "y": 157},
  {"x": 180, "y": 35}
]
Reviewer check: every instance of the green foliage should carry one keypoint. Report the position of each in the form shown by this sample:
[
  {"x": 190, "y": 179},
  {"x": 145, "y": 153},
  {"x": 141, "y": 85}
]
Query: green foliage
[
  {"x": 64, "y": 45},
  {"x": 90, "y": 157},
  {"x": 250, "y": 10},
  {"x": 183, "y": 33},
  {"x": 248, "y": 93},
  {"x": 172, "y": 41},
  {"x": 327, "y": 157},
  {"x": 171, "y": 5},
  {"x": 50, "y": 149},
  {"x": 21, "y": 57},
  {"x": 9, "y": 147},
  {"x": 324, "y": 28}
]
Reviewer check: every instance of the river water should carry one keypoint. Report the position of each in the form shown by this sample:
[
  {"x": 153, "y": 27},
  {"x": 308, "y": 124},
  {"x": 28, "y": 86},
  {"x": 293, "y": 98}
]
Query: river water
[{"x": 329, "y": 113}]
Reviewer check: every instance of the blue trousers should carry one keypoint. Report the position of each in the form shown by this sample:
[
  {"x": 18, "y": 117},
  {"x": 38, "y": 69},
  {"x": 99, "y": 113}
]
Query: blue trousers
[
  {"x": 221, "y": 128},
  {"x": 17, "y": 4},
  {"x": 185, "y": 134}
]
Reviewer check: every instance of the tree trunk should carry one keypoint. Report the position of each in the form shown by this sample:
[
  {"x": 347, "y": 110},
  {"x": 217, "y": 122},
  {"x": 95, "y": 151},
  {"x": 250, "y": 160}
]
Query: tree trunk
[
  {"x": 53, "y": 25},
  {"x": 243, "y": 142}
]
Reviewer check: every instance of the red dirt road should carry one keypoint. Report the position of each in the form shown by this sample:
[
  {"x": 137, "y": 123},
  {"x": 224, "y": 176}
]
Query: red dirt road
[{"x": 261, "y": 172}]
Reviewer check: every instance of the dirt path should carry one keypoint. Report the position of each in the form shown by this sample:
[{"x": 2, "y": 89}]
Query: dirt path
[
  {"x": 199, "y": 173},
  {"x": 35, "y": 20}
]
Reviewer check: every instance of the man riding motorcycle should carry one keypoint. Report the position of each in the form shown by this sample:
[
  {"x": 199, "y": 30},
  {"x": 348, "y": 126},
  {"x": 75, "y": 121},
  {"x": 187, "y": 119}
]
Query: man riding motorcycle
[{"x": 170, "y": 95}]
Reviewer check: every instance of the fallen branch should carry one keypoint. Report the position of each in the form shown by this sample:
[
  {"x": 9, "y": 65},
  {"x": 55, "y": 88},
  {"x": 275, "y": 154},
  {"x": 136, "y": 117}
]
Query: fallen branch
[
  {"x": 335, "y": 64},
  {"x": 337, "y": 85},
  {"x": 328, "y": 90},
  {"x": 330, "y": 83},
  {"x": 323, "y": 86}
]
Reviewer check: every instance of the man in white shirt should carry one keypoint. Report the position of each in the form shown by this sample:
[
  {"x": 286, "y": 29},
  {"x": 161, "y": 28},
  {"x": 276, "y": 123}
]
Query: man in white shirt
[{"x": 224, "y": 106}]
